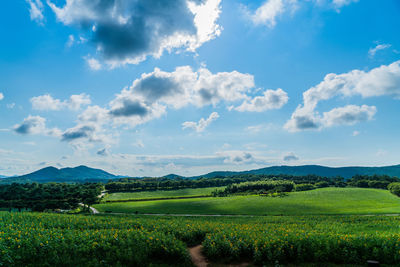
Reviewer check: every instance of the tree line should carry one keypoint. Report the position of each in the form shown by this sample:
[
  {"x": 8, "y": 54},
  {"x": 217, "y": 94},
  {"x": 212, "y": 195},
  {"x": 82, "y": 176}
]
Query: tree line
[
  {"x": 163, "y": 183},
  {"x": 48, "y": 196},
  {"x": 258, "y": 187}
]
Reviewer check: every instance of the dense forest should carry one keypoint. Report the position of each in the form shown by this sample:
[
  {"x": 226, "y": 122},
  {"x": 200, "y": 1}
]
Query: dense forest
[
  {"x": 163, "y": 183},
  {"x": 48, "y": 196}
]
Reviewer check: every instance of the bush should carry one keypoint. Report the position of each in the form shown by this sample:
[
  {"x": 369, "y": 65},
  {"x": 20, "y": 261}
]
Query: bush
[
  {"x": 394, "y": 188},
  {"x": 322, "y": 184},
  {"x": 304, "y": 187},
  {"x": 267, "y": 186},
  {"x": 378, "y": 184}
]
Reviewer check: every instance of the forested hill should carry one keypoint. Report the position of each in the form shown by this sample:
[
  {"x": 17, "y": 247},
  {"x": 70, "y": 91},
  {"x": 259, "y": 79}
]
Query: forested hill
[
  {"x": 346, "y": 172},
  {"x": 52, "y": 174},
  {"x": 86, "y": 174}
]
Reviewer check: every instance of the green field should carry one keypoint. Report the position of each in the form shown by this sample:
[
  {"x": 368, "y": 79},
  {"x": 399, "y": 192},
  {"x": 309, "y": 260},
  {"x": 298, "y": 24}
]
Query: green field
[
  {"x": 314, "y": 202},
  {"x": 188, "y": 192},
  {"x": 40, "y": 239}
]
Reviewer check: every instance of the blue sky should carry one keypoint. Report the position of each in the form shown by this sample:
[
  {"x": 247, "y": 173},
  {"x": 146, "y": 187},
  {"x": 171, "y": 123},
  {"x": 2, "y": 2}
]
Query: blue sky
[{"x": 156, "y": 87}]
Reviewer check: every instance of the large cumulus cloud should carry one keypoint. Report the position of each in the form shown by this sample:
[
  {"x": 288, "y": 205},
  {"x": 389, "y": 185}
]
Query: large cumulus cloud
[
  {"x": 35, "y": 125},
  {"x": 149, "y": 97},
  {"x": 380, "y": 81},
  {"x": 127, "y": 31}
]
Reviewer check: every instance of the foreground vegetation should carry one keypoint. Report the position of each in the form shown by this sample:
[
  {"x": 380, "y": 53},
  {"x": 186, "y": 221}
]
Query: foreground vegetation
[
  {"x": 39, "y": 239},
  {"x": 320, "y": 201}
]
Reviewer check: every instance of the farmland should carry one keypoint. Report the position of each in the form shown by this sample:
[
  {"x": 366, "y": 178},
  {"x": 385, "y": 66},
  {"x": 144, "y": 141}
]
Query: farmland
[
  {"x": 319, "y": 226},
  {"x": 314, "y": 202},
  {"x": 32, "y": 239}
]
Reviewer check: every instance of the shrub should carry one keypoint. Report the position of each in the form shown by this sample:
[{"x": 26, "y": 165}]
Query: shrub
[
  {"x": 322, "y": 184},
  {"x": 394, "y": 188},
  {"x": 304, "y": 187}
]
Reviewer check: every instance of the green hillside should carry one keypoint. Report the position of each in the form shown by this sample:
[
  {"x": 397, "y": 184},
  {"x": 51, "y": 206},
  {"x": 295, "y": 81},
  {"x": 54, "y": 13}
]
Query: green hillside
[{"x": 320, "y": 201}]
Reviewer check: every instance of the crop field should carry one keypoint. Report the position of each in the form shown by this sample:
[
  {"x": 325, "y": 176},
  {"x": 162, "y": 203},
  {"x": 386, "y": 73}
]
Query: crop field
[
  {"x": 39, "y": 239},
  {"x": 314, "y": 202},
  {"x": 189, "y": 192}
]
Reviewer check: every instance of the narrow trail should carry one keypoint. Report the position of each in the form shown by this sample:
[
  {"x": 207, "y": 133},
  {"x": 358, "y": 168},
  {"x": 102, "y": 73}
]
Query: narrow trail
[
  {"x": 197, "y": 256},
  {"x": 199, "y": 260},
  {"x": 239, "y": 215},
  {"x": 94, "y": 211}
]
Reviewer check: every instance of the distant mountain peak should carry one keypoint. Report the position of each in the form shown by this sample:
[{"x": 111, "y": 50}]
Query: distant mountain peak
[{"x": 69, "y": 174}]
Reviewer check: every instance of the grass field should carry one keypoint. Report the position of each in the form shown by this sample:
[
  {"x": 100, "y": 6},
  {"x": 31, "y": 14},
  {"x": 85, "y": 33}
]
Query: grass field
[
  {"x": 189, "y": 192},
  {"x": 319, "y": 201}
]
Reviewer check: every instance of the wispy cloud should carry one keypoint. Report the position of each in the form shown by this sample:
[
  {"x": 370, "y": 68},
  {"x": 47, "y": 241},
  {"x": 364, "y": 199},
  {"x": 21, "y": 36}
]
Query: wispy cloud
[
  {"x": 47, "y": 102},
  {"x": 36, "y": 9},
  {"x": 373, "y": 50},
  {"x": 93, "y": 63},
  {"x": 202, "y": 124}
]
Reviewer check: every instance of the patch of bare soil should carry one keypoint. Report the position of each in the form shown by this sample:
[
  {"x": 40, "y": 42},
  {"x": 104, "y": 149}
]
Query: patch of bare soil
[{"x": 199, "y": 260}]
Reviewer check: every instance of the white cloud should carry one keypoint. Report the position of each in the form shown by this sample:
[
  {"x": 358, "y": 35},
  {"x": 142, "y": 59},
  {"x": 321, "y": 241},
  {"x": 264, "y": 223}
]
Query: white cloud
[
  {"x": 90, "y": 128},
  {"x": 202, "y": 124},
  {"x": 259, "y": 128},
  {"x": 348, "y": 115},
  {"x": 236, "y": 157},
  {"x": 342, "y": 3},
  {"x": 151, "y": 94},
  {"x": 1, "y": 96},
  {"x": 36, "y": 10},
  {"x": 47, "y": 102},
  {"x": 11, "y": 105},
  {"x": 71, "y": 40},
  {"x": 76, "y": 101},
  {"x": 138, "y": 143},
  {"x": 290, "y": 157},
  {"x": 267, "y": 13},
  {"x": 381, "y": 153},
  {"x": 126, "y": 32},
  {"x": 103, "y": 152},
  {"x": 93, "y": 63},
  {"x": 35, "y": 125},
  {"x": 356, "y": 133},
  {"x": 372, "y": 51},
  {"x": 81, "y": 134},
  {"x": 380, "y": 81},
  {"x": 270, "y": 10},
  {"x": 270, "y": 100}
]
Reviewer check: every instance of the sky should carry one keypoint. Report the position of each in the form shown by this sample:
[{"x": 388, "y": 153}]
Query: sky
[{"x": 152, "y": 87}]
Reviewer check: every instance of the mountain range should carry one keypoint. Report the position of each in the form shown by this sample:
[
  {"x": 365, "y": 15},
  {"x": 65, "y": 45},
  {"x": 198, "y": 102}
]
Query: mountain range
[
  {"x": 346, "y": 172},
  {"x": 68, "y": 175},
  {"x": 86, "y": 174}
]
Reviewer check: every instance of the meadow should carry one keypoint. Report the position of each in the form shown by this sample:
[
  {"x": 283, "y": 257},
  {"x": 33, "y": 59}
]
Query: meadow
[
  {"x": 145, "y": 195},
  {"x": 40, "y": 239},
  {"x": 322, "y": 201}
]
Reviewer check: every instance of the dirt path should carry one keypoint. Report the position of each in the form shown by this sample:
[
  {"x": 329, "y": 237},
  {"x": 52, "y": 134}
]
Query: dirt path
[
  {"x": 103, "y": 193},
  {"x": 93, "y": 210},
  {"x": 199, "y": 260},
  {"x": 197, "y": 256},
  {"x": 240, "y": 215}
]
